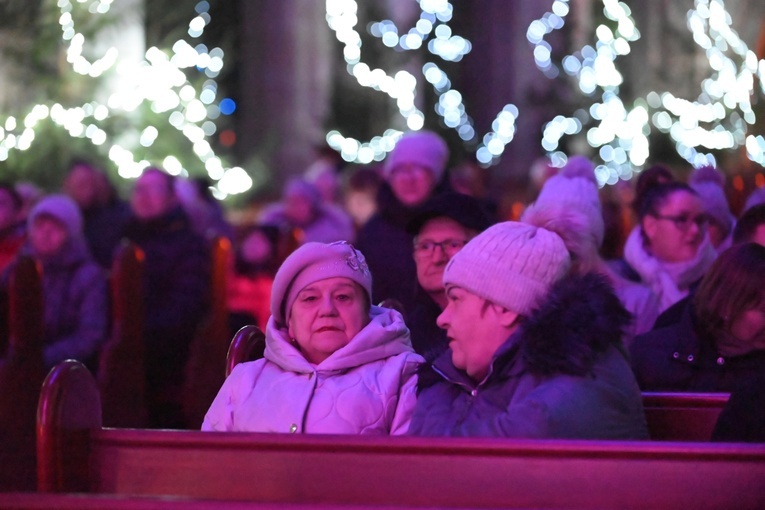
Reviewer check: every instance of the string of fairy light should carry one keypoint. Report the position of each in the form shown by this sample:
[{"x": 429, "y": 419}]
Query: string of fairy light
[
  {"x": 432, "y": 30},
  {"x": 620, "y": 132},
  {"x": 158, "y": 80}
]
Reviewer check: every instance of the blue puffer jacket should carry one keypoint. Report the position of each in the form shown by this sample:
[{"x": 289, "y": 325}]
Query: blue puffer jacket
[{"x": 561, "y": 374}]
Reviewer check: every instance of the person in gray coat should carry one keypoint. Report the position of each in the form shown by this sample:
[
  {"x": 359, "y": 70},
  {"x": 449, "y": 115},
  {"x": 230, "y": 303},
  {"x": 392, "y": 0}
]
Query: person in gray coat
[{"x": 534, "y": 352}]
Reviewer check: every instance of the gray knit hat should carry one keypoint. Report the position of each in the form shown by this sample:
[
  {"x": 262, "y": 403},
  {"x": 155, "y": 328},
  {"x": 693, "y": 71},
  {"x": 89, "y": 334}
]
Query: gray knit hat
[
  {"x": 511, "y": 264},
  {"x": 424, "y": 148},
  {"x": 61, "y": 207}
]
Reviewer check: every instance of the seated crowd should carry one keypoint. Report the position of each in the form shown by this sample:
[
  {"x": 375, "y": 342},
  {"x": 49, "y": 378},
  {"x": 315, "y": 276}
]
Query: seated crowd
[{"x": 490, "y": 326}]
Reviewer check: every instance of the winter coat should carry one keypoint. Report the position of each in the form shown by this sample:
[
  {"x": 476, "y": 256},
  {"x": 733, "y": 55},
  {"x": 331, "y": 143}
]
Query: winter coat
[
  {"x": 76, "y": 304},
  {"x": 365, "y": 387},
  {"x": 387, "y": 247},
  {"x": 428, "y": 339},
  {"x": 561, "y": 374},
  {"x": 679, "y": 358}
]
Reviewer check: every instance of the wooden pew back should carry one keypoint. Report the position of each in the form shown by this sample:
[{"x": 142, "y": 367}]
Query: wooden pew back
[
  {"x": 205, "y": 368},
  {"x": 21, "y": 374},
  {"x": 121, "y": 371},
  {"x": 682, "y": 416},
  {"x": 398, "y": 471},
  {"x": 248, "y": 344}
]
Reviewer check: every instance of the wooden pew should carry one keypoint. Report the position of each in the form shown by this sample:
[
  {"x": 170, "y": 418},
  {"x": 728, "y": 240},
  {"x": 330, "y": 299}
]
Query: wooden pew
[
  {"x": 248, "y": 344},
  {"x": 121, "y": 372},
  {"x": 682, "y": 416},
  {"x": 204, "y": 373},
  {"x": 21, "y": 375},
  {"x": 77, "y": 455}
]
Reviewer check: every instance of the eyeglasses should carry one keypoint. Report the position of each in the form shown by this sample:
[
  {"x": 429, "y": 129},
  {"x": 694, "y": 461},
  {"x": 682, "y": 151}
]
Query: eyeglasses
[
  {"x": 683, "y": 222},
  {"x": 449, "y": 246}
]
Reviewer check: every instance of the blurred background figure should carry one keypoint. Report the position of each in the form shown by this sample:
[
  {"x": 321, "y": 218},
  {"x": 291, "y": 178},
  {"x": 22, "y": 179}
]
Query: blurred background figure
[
  {"x": 176, "y": 285},
  {"x": 413, "y": 173},
  {"x": 569, "y": 204},
  {"x": 301, "y": 207},
  {"x": 74, "y": 285},
  {"x": 360, "y": 197},
  {"x": 30, "y": 193},
  {"x": 104, "y": 213},
  {"x": 12, "y": 227},
  {"x": 751, "y": 226},
  {"x": 710, "y": 186},
  {"x": 252, "y": 276},
  {"x": 756, "y": 197},
  {"x": 205, "y": 213}
]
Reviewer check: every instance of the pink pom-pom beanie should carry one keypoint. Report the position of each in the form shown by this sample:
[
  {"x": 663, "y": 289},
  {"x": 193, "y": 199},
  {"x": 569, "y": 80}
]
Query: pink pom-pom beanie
[
  {"x": 424, "y": 148},
  {"x": 313, "y": 262},
  {"x": 510, "y": 264}
]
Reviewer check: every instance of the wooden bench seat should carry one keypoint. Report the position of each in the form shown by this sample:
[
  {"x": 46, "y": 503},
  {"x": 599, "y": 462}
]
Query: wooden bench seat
[
  {"x": 682, "y": 416},
  {"x": 76, "y": 454}
]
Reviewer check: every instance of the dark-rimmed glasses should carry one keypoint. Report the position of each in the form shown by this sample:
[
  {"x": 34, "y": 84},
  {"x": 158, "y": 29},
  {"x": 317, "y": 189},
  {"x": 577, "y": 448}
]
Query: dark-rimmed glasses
[{"x": 683, "y": 221}]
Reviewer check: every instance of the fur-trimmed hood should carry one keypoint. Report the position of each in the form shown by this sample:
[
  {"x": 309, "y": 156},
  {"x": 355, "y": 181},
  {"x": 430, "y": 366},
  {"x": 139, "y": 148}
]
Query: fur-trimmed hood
[{"x": 580, "y": 319}]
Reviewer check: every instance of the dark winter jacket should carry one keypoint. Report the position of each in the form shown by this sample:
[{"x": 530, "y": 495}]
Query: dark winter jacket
[
  {"x": 76, "y": 305},
  {"x": 428, "y": 340},
  {"x": 561, "y": 374},
  {"x": 103, "y": 229},
  {"x": 679, "y": 358},
  {"x": 176, "y": 279}
]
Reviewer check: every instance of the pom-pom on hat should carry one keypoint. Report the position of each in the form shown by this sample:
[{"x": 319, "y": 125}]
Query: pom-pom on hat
[
  {"x": 424, "y": 148},
  {"x": 574, "y": 188},
  {"x": 709, "y": 184},
  {"x": 511, "y": 264},
  {"x": 61, "y": 207},
  {"x": 313, "y": 262}
]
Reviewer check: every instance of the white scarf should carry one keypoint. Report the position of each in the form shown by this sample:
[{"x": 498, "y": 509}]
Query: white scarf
[{"x": 668, "y": 280}]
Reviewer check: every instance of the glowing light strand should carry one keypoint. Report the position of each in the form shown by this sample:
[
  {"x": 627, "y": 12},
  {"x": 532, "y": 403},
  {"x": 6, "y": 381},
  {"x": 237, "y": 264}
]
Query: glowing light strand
[
  {"x": 431, "y": 27},
  {"x": 620, "y": 133},
  {"x": 158, "y": 80}
]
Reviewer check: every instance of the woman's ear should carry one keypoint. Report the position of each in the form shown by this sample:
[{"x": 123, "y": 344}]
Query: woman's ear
[{"x": 507, "y": 318}]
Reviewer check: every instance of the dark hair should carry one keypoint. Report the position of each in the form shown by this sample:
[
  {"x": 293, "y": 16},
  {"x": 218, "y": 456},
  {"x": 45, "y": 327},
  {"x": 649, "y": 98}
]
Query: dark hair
[
  {"x": 169, "y": 179},
  {"x": 9, "y": 188},
  {"x": 655, "y": 196},
  {"x": 747, "y": 225},
  {"x": 647, "y": 180},
  {"x": 731, "y": 286}
]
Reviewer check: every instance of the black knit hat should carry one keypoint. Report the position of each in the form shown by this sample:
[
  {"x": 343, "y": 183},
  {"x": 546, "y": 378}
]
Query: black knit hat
[{"x": 464, "y": 209}]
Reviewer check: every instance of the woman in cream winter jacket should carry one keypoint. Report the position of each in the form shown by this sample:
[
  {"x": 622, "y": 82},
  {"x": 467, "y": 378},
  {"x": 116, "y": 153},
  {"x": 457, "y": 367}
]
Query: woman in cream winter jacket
[{"x": 333, "y": 364}]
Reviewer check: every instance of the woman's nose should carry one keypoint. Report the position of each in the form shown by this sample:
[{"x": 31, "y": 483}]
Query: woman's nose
[{"x": 327, "y": 305}]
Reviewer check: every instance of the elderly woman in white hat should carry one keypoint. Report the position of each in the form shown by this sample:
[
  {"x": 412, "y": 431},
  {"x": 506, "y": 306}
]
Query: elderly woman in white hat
[{"x": 333, "y": 363}]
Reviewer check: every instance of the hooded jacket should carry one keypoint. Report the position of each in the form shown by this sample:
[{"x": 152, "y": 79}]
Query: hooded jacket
[
  {"x": 561, "y": 374},
  {"x": 365, "y": 387}
]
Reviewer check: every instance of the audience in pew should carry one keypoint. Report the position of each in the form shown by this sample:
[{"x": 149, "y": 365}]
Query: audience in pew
[
  {"x": 720, "y": 339},
  {"x": 534, "y": 351},
  {"x": 568, "y": 203},
  {"x": 413, "y": 172},
  {"x": 176, "y": 282},
  {"x": 104, "y": 213},
  {"x": 74, "y": 286},
  {"x": 333, "y": 363},
  {"x": 670, "y": 249},
  {"x": 443, "y": 226}
]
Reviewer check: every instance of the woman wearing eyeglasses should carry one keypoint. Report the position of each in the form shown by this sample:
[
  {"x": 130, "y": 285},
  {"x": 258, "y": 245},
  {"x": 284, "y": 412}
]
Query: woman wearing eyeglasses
[
  {"x": 669, "y": 248},
  {"x": 719, "y": 342}
]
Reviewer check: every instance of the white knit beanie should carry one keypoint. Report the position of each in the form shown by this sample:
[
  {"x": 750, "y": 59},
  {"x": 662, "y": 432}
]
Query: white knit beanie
[
  {"x": 511, "y": 264},
  {"x": 424, "y": 148},
  {"x": 574, "y": 188},
  {"x": 709, "y": 183}
]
